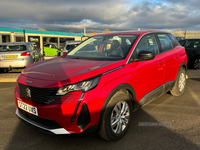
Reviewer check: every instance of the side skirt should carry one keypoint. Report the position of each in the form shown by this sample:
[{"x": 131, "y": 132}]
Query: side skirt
[{"x": 161, "y": 90}]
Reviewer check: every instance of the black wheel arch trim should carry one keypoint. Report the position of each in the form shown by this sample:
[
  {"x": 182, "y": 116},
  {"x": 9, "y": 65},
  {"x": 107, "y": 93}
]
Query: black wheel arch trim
[
  {"x": 183, "y": 64},
  {"x": 124, "y": 86}
]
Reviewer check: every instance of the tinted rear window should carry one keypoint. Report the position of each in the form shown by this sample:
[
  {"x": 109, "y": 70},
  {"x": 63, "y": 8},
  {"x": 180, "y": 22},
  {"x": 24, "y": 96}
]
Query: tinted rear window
[{"x": 4, "y": 48}]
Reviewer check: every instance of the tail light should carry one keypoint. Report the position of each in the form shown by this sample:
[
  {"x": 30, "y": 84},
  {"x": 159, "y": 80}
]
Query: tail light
[
  {"x": 64, "y": 54},
  {"x": 25, "y": 54}
]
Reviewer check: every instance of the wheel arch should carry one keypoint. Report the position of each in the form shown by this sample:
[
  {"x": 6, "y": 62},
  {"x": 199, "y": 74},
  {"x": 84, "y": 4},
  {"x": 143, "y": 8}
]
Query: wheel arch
[
  {"x": 184, "y": 65},
  {"x": 125, "y": 87}
]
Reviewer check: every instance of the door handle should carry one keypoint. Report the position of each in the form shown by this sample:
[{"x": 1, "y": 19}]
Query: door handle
[
  {"x": 161, "y": 62},
  {"x": 176, "y": 56}
]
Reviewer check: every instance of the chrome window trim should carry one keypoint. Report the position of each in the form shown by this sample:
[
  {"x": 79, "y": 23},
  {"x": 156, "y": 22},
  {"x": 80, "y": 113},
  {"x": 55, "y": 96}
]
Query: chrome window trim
[{"x": 113, "y": 70}]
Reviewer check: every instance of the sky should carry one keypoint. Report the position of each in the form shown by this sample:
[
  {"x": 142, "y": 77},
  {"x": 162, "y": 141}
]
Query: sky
[{"x": 98, "y": 15}]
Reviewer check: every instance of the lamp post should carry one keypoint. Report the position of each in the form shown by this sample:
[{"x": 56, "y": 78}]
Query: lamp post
[{"x": 24, "y": 36}]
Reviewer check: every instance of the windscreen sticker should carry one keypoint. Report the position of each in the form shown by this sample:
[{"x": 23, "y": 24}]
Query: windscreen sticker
[{"x": 108, "y": 45}]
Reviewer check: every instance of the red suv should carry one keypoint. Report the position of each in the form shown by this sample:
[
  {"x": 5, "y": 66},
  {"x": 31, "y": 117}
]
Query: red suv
[{"x": 97, "y": 85}]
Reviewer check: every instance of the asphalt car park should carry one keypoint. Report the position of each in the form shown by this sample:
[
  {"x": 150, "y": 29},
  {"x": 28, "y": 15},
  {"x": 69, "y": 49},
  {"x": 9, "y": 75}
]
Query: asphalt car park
[{"x": 166, "y": 123}]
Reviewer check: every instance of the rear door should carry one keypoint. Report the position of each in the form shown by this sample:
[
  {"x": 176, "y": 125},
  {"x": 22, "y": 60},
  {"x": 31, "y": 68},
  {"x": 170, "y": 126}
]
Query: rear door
[{"x": 172, "y": 56}]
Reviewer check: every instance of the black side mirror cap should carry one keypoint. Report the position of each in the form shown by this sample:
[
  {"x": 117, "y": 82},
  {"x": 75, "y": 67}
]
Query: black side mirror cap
[{"x": 145, "y": 55}]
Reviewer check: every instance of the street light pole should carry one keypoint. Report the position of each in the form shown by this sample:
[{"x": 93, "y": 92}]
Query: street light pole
[{"x": 24, "y": 36}]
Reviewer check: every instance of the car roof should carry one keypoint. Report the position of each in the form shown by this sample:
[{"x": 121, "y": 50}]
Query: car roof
[
  {"x": 73, "y": 42},
  {"x": 51, "y": 43},
  {"x": 192, "y": 39},
  {"x": 132, "y": 32},
  {"x": 17, "y": 43}
]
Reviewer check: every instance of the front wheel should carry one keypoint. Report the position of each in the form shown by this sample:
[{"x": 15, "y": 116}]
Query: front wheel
[
  {"x": 116, "y": 118},
  {"x": 196, "y": 63},
  {"x": 180, "y": 83}
]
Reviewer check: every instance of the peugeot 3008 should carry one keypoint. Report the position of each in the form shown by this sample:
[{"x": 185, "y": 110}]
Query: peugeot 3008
[{"x": 97, "y": 85}]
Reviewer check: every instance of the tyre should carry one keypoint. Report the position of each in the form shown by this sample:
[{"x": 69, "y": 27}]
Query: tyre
[
  {"x": 180, "y": 83},
  {"x": 196, "y": 63},
  {"x": 116, "y": 118}
]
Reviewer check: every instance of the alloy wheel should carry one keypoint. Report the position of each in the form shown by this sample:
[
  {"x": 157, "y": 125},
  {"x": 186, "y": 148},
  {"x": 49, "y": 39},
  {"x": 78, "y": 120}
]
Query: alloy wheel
[
  {"x": 197, "y": 63},
  {"x": 181, "y": 82},
  {"x": 120, "y": 117}
]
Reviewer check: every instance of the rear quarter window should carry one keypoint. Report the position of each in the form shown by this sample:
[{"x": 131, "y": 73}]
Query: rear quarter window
[{"x": 174, "y": 40}]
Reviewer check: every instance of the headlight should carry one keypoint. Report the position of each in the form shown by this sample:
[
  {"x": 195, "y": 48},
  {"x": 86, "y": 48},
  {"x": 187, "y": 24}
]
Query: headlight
[{"x": 83, "y": 86}]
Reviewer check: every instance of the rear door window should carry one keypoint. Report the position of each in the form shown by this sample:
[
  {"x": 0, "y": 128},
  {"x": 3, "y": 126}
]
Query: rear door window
[
  {"x": 165, "y": 42},
  {"x": 47, "y": 45},
  {"x": 53, "y": 46}
]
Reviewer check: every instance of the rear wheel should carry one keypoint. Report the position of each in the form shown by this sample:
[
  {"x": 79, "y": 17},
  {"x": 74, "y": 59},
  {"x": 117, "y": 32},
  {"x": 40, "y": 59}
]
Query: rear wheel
[
  {"x": 196, "y": 63},
  {"x": 116, "y": 118},
  {"x": 180, "y": 83}
]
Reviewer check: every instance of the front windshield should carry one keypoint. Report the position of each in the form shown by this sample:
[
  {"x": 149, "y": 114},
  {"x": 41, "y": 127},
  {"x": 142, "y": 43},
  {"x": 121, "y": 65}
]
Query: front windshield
[{"x": 108, "y": 47}]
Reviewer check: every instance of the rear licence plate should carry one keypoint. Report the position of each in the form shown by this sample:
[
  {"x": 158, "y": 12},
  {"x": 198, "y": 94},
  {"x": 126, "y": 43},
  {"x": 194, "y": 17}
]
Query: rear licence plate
[
  {"x": 28, "y": 108},
  {"x": 10, "y": 56}
]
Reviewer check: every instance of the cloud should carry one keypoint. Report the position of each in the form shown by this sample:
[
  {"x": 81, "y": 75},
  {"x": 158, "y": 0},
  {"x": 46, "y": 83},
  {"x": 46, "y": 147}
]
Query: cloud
[{"x": 116, "y": 15}]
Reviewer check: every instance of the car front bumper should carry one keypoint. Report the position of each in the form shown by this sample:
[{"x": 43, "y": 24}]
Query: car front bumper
[{"x": 67, "y": 116}]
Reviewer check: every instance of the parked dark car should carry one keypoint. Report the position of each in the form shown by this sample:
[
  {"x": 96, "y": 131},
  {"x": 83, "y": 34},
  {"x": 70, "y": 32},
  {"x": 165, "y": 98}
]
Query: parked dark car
[
  {"x": 180, "y": 38},
  {"x": 192, "y": 47}
]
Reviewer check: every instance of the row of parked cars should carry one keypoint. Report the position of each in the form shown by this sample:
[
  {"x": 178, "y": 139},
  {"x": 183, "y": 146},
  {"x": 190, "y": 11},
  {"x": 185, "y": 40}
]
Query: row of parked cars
[
  {"x": 22, "y": 54},
  {"x": 51, "y": 49}
]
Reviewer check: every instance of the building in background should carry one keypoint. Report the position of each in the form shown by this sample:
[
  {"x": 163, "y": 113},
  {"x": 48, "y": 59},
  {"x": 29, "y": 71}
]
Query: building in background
[{"x": 37, "y": 36}]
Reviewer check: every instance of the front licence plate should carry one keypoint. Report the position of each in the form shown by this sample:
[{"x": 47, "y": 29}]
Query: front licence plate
[
  {"x": 10, "y": 56},
  {"x": 28, "y": 108}
]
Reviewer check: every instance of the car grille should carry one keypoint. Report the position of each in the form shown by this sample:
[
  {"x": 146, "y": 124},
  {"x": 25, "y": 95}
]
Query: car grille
[
  {"x": 38, "y": 95},
  {"x": 50, "y": 124}
]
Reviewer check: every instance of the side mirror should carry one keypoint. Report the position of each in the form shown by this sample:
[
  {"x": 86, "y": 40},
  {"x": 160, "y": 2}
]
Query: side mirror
[{"x": 145, "y": 55}]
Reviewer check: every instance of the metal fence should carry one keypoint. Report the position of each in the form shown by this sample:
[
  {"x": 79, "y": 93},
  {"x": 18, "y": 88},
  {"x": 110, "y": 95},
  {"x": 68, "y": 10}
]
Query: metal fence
[{"x": 187, "y": 34}]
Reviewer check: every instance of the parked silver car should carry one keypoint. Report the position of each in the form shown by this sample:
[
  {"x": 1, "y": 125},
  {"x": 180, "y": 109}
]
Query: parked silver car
[
  {"x": 69, "y": 45},
  {"x": 18, "y": 55}
]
